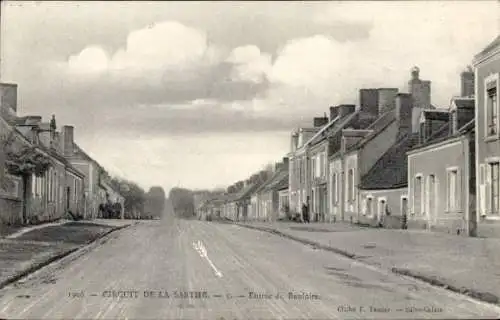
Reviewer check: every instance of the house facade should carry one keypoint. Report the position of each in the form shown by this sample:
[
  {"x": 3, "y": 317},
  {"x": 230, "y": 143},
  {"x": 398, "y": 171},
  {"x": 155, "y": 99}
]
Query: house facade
[
  {"x": 487, "y": 128},
  {"x": 383, "y": 191},
  {"x": 269, "y": 200},
  {"x": 299, "y": 165},
  {"x": 284, "y": 205},
  {"x": 441, "y": 178},
  {"x": 94, "y": 194}
]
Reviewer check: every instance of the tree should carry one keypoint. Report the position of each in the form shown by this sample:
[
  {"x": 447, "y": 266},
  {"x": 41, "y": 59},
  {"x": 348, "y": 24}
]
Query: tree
[
  {"x": 134, "y": 196},
  {"x": 182, "y": 202},
  {"x": 23, "y": 161},
  {"x": 155, "y": 201}
]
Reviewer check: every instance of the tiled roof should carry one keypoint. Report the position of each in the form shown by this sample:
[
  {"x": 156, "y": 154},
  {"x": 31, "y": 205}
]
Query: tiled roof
[
  {"x": 443, "y": 134},
  {"x": 278, "y": 181},
  {"x": 332, "y": 126},
  {"x": 464, "y": 103},
  {"x": 354, "y": 121},
  {"x": 469, "y": 126},
  {"x": 436, "y": 115},
  {"x": 391, "y": 170},
  {"x": 51, "y": 152},
  {"x": 378, "y": 126}
]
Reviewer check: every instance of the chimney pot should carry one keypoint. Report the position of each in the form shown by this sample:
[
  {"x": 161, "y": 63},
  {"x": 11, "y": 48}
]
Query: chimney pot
[{"x": 68, "y": 140}]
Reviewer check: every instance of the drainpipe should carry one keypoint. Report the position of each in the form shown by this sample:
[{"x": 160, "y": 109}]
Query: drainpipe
[{"x": 466, "y": 178}]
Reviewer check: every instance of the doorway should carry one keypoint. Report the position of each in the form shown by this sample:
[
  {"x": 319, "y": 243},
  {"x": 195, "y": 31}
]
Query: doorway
[
  {"x": 68, "y": 196},
  {"x": 404, "y": 213},
  {"x": 381, "y": 211},
  {"x": 369, "y": 204}
]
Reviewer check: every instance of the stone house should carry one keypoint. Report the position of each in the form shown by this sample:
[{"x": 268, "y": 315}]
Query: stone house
[
  {"x": 257, "y": 205},
  {"x": 284, "y": 205},
  {"x": 359, "y": 146},
  {"x": 58, "y": 190},
  {"x": 486, "y": 66},
  {"x": 299, "y": 163},
  {"x": 384, "y": 189},
  {"x": 441, "y": 171},
  {"x": 93, "y": 193},
  {"x": 268, "y": 194}
]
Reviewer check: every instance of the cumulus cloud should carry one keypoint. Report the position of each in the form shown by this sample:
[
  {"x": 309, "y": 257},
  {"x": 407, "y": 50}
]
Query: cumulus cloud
[
  {"x": 176, "y": 67},
  {"x": 440, "y": 37},
  {"x": 250, "y": 64}
]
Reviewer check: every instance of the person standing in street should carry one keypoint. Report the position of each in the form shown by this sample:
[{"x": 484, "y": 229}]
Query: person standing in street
[{"x": 305, "y": 211}]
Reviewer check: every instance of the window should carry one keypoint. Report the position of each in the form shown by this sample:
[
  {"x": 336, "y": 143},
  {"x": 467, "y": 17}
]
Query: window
[
  {"x": 492, "y": 108},
  {"x": 350, "y": 185},
  {"x": 313, "y": 167},
  {"x": 334, "y": 188},
  {"x": 494, "y": 190},
  {"x": 418, "y": 206},
  {"x": 322, "y": 165},
  {"x": 75, "y": 189},
  {"x": 452, "y": 199}
]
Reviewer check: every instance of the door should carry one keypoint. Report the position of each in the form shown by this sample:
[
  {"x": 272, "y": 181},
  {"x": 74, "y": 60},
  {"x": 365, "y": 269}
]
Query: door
[
  {"x": 404, "y": 213},
  {"x": 369, "y": 212},
  {"x": 380, "y": 211},
  {"x": 68, "y": 197}
]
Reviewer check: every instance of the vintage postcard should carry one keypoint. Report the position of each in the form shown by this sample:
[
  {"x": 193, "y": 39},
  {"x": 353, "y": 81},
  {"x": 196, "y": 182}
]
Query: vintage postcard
[{"x": 249, "y": 160}]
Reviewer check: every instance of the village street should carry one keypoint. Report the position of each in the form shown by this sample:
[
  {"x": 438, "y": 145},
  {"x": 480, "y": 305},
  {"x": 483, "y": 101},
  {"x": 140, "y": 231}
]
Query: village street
[{"x": 230, "y": 271}]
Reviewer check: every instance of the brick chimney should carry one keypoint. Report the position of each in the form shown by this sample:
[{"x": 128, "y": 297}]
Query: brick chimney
[
  {"x": 404, "y": 112},
  {"x": 68, "y": 140},
  {"x": 345, "y": 109},
  {"x": 368, "y": 102},
  {"x": 320, "y": 121},
  {"x": 334, "y": 112},
  {"x": 386, "y": 99},
  {"x": 467, "y": 82},
  {"x": 285, "y": 162}
]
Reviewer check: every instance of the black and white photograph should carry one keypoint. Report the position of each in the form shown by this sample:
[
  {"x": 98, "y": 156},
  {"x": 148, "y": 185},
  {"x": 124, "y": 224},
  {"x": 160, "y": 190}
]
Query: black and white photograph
[{"x": 250, "y": 159}]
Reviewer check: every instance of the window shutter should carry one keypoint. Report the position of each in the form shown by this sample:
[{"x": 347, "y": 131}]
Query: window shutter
[
  {"x": 488, "y": 188},
  {"x": 460, "y": 194},
  {"x": 482, "y": 194},
  {"x": 482, "y": 173}
]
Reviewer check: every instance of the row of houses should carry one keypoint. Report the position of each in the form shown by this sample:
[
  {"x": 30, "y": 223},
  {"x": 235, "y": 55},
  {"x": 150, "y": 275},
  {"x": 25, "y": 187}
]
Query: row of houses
[
  {"x": 393, "y": 160},
  {"x": 44, "y": 174}
]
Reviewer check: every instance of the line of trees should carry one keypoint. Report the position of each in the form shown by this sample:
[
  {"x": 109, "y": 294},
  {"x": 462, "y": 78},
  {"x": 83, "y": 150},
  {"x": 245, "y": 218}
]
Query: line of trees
[
  {"x": 182, "y": 201},
  {"x": 138, "y": 203}
]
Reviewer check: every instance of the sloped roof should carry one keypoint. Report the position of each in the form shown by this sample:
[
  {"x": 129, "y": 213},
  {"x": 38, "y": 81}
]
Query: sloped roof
[
  {"x": 51, "y": 152},
  {"x": 391, "y": 170},
  {"x": 443, "y": 134},
  {"x": 357, "y": 121},
  {"x": 469, "y": 126},
  {"x": 377, "y": 127},
  {"x": 278, "y": 181},
  {"x": 465, "y": 103},
  {"x": 332, "y": 126},
  {"x": 437, "y": 115}
]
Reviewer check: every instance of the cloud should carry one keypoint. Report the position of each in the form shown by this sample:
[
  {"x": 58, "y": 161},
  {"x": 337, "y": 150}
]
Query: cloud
[{"x": 250, "y": 64}]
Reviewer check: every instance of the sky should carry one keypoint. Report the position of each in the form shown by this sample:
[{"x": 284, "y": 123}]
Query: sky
[{"x": 203, "y": 94}]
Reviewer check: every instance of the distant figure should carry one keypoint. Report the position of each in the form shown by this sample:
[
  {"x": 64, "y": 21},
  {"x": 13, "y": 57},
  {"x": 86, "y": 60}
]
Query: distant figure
[
  {"x": 102, "y": 211},
  {"x": 305, "y": 211}
]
